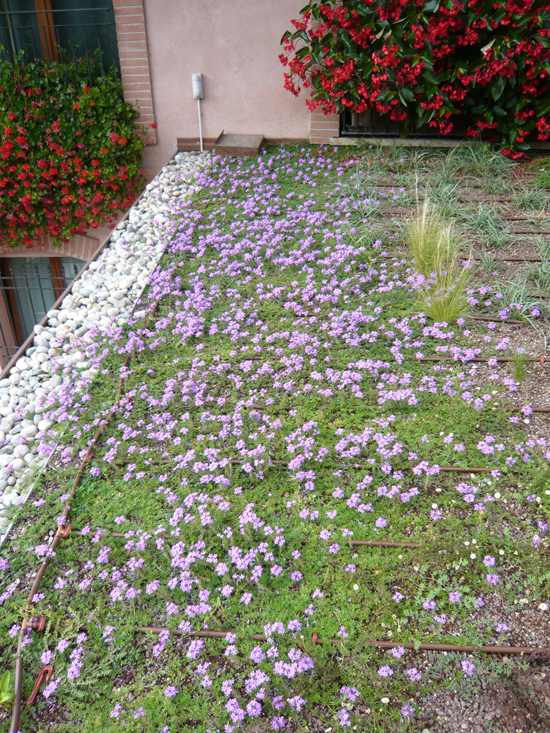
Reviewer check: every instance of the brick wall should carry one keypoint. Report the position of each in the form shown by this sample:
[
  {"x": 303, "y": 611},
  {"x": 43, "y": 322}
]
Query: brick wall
[
  {"x": 134, "y": 61},
  {"x": 80, "y": 246},
  {"x": 323, "y": 127}
]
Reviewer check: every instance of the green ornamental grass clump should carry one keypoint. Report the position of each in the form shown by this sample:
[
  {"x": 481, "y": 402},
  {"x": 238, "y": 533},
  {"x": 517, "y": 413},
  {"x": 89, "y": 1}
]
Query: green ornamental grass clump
[{"x": 434, "y": 247}]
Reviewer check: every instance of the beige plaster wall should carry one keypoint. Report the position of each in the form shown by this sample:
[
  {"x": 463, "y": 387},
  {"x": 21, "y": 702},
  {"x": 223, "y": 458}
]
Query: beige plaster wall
[{"x": 235, "y": 46}]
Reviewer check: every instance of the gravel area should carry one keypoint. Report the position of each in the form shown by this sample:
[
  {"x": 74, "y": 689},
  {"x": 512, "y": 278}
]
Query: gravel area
[{"x": 105, "y": 295}]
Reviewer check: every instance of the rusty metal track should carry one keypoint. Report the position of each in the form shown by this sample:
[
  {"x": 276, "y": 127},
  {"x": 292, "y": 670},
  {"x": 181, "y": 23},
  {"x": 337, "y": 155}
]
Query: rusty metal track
[{"x": 382, "y": 644}]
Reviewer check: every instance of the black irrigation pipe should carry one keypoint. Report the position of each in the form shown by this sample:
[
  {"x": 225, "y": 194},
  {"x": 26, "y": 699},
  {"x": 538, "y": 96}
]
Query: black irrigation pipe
[
  {"x": 464, "y": 256},
  {"x": 484, "y": 359},
  {"x": 315, "y": 639},
  {"x": 494, "y": 319},
  {"x": 280, "y": 462},
  {"x": 68, "y": 531}
]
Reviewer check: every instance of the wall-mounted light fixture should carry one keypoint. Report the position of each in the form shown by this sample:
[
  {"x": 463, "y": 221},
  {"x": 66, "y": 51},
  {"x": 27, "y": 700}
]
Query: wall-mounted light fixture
[{"x": 198, "y": 95}]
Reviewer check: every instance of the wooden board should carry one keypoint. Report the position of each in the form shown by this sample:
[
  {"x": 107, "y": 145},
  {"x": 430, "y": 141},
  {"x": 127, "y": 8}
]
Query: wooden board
[
  {"x": 415, "y": 143},
  {"x": 238, "y": 146},
  {"x": 188, "y": 144}
]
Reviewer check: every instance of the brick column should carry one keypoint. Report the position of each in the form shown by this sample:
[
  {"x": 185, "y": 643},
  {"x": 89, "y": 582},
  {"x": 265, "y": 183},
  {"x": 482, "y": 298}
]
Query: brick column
[
  {"x": 134, "y": 60},
  {"x": 323, "y": 127}
]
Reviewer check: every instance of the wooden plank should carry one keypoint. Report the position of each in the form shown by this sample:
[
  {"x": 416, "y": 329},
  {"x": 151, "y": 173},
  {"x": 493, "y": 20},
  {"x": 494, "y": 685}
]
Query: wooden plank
[
  {"x": 415, "y": 143},
  {"x": 238, "y": 146},
  {"x": 188, "y": 144},
  {"x": 397, "y": 142}
]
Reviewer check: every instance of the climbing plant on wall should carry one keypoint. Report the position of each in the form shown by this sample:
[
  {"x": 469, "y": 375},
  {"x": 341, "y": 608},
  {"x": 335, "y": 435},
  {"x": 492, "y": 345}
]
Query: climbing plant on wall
[{"x": 485, "y": 61}]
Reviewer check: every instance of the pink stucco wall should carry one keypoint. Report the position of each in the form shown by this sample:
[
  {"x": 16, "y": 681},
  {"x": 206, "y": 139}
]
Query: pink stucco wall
[{"x": 235, "y": 46}]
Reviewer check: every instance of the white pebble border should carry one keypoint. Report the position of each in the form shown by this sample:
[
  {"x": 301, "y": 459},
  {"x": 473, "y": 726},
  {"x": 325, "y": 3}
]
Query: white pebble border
[{"x": 104, "y": 295}]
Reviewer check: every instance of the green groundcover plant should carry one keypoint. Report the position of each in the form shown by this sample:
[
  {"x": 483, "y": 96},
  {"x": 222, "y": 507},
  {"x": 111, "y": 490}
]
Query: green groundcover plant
[
  {"x": 435, "y": 63},
  {"x": 69, "y": 151}
]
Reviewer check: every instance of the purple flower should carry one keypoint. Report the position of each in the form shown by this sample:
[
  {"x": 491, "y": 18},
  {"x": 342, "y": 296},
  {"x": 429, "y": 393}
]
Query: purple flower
[
  {"x": 344, "y": 717},
  {"x": 492, "y": 579},
  {"x": 385, "y": 671},
  {"x": 488, "y": 561},
  {"x": 429, "y": 605},
  {"x": 257, "y": 655},
  {"x": 454, "y": 597},
  {"x": 351, "y": 693},
  {"x": 195, "y": 649},
  {"x": 116, "y": 712},
  {"x": 253, "y": 708},
  {"x": 63, "y": 644},
  {"x": 381, "y": 522},
  {"x": 46, "y": 657},
  {"x": 414, "y": 674},
  {"x": 468, "y": 667},
  {"x": 170, "y": 691},
  {"x": 51, "y": 687},
  {"x": 296, "y": 702}
]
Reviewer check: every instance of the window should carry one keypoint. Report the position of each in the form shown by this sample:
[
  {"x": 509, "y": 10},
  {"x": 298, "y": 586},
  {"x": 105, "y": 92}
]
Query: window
[
  {"x": 30, "y": 288},
  {"x": 59, "y": 30}
]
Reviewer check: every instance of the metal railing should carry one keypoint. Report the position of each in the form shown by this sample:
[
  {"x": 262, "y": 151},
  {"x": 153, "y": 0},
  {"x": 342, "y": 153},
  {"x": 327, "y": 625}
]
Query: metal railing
[
  {"x": 28, "y": 290},
  {"x": 77, "y": 36},
  {"x": 373, "y": 123}
]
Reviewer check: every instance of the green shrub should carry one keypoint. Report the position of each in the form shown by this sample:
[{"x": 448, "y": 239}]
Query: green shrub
[
  {"x": 69, "y": 153},
  {"x": 435, "y": 63}
]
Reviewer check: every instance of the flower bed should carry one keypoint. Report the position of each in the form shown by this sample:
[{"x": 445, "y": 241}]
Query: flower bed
[{"x": 276, "y": 408}]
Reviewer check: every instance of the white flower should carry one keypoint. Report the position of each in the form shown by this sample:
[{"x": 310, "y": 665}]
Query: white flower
[
  {"x": 543, "y": 606},
  {"x": 473, "y": 556},
  {"x": 467, "y": 544},
  {"x": 497, "y": 495},
  {"x": 385, "y": 700},
  {"x": 501, "y": 552},
  {"x": 434, "y": 506},
  {"x": 474, "y": 542},
  {"x": 356, "y": 587}
]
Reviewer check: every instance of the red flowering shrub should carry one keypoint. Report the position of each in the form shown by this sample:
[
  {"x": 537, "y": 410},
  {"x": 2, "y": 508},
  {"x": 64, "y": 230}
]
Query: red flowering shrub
[
  {"x": 486, "y": 61},
  {"x": 69, "y": 152}
]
